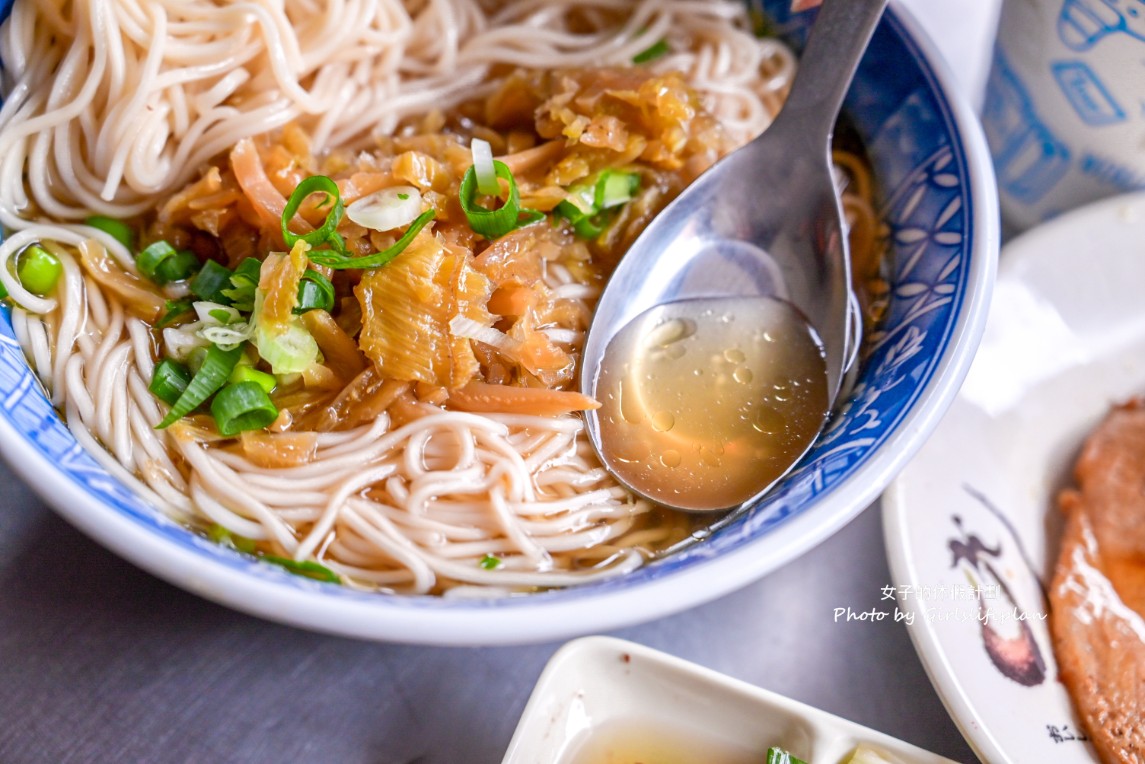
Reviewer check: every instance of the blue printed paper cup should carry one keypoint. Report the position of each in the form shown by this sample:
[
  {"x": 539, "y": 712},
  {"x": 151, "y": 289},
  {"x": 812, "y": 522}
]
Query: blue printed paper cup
[{"x": 1065, "y": 104}]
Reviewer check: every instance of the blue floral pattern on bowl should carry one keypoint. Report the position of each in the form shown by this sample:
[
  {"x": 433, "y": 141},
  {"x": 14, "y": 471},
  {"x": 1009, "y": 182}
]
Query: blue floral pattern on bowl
[{"x": 913, "y": 137}]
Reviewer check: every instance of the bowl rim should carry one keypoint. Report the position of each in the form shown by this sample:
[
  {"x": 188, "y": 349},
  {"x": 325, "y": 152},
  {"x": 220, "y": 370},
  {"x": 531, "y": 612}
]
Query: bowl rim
[{"x": 529, "y": 619}]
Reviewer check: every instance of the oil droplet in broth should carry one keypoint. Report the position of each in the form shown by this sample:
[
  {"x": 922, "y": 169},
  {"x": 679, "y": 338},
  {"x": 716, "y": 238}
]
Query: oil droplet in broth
[
  {"x": 717, "y": 434},
  {"x": 767, "y": 420},
  {"x": 627, "y": 404}
]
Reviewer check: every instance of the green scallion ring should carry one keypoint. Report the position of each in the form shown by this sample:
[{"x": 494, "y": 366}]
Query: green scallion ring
[
  {"x": 492, "y": 224},
  {"x": 250, "y": 374},
  {"x": 38, "y": 270},
  {"x": 169, "y": 380},
  {"x": 341, "y": 261},
  {"x": 315, "y": 292},
  {"x": 221, "y": 535},
  {"x": 315, "y": 184},
  {"x": 248, "y": 272},
  {"x": 151, "y": 257},
  {"x": 210, "y": 282},
  {"x": 182, "y": 265},
  {"x": 175, "y": 309},
  {"x": 658, "y": 49},
  {"x": 117, "y": 229},
  {"x": 307, "y": 568},
  {"x": 590, "y": 228},
  {"x": 614, "y": 188},
  {"x": 243, "y": 283},
  {"x": 242, "y": 406},
  {"x": 217, "y": 367}
]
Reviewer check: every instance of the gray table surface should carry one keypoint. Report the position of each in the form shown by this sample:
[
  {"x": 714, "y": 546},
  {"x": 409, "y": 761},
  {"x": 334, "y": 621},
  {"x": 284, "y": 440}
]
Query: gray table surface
[{"x": 100, "y": 662}]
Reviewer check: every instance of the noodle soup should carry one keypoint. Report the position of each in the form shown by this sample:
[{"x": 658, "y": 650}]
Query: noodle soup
[{"x": 321, "y": 297}]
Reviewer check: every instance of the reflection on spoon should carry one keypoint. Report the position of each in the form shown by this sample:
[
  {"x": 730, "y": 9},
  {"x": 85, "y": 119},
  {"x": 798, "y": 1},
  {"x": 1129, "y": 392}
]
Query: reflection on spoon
[{"x": 708, "y": 402}]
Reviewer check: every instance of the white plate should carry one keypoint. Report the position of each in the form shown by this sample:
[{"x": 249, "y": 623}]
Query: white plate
[
  {"x": 1065, "y": 340},
  {"x": 600, "y": 689}
]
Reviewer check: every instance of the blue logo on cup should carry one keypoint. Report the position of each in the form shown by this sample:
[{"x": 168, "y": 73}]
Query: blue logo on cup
[
  {"x": 1028, "y": 157},
  {"x": 1083, "y": 23},
  {"x": 1089, "y": 97}
]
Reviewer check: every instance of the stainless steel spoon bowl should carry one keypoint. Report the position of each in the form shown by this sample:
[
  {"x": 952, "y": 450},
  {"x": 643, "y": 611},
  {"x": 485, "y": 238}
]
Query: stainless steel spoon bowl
[{"x": 765, "y": 221}]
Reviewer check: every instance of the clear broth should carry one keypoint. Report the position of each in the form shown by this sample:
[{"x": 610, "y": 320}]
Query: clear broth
[{"x": 704, "y": 407}]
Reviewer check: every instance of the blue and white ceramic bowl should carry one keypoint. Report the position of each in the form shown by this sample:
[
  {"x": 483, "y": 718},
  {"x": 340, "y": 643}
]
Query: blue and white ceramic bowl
[{"x": 937, "y": 196}]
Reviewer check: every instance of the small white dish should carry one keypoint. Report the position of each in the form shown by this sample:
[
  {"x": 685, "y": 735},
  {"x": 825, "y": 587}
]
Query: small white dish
[
  {"x": 611, "y": 698},
  {"x": 1065, "y": 341}
]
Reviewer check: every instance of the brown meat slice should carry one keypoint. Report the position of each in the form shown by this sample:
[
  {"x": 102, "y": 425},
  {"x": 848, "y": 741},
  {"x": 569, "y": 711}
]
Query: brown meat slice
[{"x": 1098, "y": 591}]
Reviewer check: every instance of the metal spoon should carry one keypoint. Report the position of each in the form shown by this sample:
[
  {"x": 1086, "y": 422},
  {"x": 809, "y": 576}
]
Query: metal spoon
[{"x": 766, "y": 222}]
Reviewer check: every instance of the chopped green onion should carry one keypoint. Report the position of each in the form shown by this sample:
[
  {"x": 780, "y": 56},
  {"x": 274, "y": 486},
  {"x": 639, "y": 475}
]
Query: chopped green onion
[
  {"x": 489, "y": 562},
  {"x": 221, "y": 535},
  {"x": 247, "y": 373},
  {"x": 210, "y": 282},
  {"x": 3, "y": 290},
  {"x": 242, "y": 406},
  {"x": 248, "y": 272},
  {"x": 196, "y": 357},
  {"x": 227, "y": 336},
  {"x": 217, "y": 313},
  {"x": 38, "y": 270},
  {"x": 184, "y": 344},
  {"x": 586, "y": 206},
  {"x": 315, "y": 292},
  {"x": 117, "y": 229},
  {"x": 580, "y": 200},
  {"x": 217, "y": 367},
  {"x": 316, "y": 184},
  {"x": 220, "y": 315},
  {"x": 169, "y": 381},
  {"x": 385, "y": 210},
  {"x": 614, "y": 188},
  {"x": 161, "y": 263},
  {"x": 307, "y": 568},
  {"x": 484, "y": 171},
  {"x": 339, "y": 261},
  {"x": 569, "y": 210},
  {"x": 244, "y": 282},
  {"x": 590, "y": 228},
  {"x": 174, "y": 310},
  {"x": 780, "y": 756},
  {"x": 659, "y": 49},
  {"x": 587, "y": 220},
  {"x": 182, "y": 266},
  {"x": 150, "y": 258},
  {"x": 492, "y": 224},
  {"x": 288, "y": 349}
]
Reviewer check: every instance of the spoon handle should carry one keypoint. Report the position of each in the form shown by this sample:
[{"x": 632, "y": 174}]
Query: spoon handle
[{"x": 840, "y": 35}]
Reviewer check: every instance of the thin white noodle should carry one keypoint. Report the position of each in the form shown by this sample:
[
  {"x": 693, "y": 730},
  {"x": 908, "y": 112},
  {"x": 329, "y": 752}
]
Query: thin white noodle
[{"x": 132, "y": 98}]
